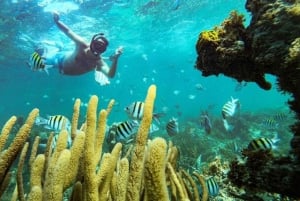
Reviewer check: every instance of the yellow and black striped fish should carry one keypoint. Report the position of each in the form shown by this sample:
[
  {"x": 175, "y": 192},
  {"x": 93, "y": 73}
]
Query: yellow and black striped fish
[
  {"x": 36, "y": 63},
  {"x": 262, "y": 143},
  {"x": 270, "y": 123}
]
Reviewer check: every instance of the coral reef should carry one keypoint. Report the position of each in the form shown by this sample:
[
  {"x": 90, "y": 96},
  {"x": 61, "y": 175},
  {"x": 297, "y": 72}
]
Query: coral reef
[
  {"x": 269, "y": 45},
  {"x": 82, "y": 172}
]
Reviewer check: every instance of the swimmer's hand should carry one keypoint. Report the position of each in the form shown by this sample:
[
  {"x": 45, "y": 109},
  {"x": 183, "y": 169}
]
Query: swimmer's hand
[
  {"x": 55, "y": 16},
  {"x": 118, "y": 52}
]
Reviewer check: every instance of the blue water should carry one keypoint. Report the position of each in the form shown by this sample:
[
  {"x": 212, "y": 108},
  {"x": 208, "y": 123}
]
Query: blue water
[{"x": 159, "y": 48}]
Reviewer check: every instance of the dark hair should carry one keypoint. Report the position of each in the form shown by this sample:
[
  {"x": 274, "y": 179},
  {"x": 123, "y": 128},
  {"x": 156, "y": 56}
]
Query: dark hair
[{"x": 98, "y": 44}]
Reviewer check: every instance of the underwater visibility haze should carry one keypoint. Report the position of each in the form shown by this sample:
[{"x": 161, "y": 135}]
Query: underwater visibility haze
[{"x": 210, "y": 119}]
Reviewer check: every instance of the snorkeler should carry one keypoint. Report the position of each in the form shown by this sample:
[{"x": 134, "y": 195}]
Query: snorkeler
[{"x": 86, "y": 57}]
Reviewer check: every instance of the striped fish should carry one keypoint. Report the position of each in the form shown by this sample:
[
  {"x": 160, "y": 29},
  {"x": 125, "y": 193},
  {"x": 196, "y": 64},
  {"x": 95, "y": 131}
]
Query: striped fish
[
  {"x": 270, "y": 123},
  {"x": 172, "y": 127},
  {"x": 55, "y": 138},
  {"x": 229, "y": 108},
  {"x": 123, "y": 131},
  {"x": 55, "y": 122},
  {"x": 136, "y": 111},
  {"x": 213, "y": 187},
  {"x": 280, "y": 117},
  {"x": 36, "y": 63},
  {"x": 262, "y": 143}
]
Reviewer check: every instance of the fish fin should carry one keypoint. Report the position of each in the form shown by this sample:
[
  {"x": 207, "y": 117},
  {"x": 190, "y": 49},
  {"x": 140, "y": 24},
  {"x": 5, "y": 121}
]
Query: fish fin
[
  {"x": 156, "y": 117},
  {"x": 28, "y": 64},
  {"x": 275, "y": 139},
  {"x": 47, "y": 67},
  {"x": 227, "y": 126},
  {"x": 48, "y": 127}
]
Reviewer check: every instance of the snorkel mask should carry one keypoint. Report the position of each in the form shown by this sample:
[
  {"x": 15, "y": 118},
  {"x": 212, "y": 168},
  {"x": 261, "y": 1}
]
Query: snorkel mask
[{"x": 98, "y": 44}]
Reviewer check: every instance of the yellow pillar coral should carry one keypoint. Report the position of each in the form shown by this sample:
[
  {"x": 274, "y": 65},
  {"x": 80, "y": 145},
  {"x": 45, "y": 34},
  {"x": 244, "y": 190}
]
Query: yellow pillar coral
[
  {"x": 100, "y": 135},
  {"x": 49, "y": 184},
  {"x": 20, "y": 172},
  {"x": 76, "y": 154},
  {"x": 9, "y": 155},
  {"x": 201, "y": 179},
  {"x": 137, "y": 161},
  {"x": 155, "y": 166},
  {"x": 34, "y": 149},
  {"x": 104, "y": 185},
  {"x": 76, "y": 110},
  {"x": 109, "y": 106},
  {"x": 122, "y": 179},
  {"x": 91, "y": 186},
  {"x": 61, "y": 168},
  {"x": 6, "y": 130},
  {"x": 37, "y": 170}
]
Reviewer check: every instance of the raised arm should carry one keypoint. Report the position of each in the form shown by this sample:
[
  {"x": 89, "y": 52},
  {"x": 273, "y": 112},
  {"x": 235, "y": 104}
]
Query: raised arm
[{"x": 66, "y": 30}]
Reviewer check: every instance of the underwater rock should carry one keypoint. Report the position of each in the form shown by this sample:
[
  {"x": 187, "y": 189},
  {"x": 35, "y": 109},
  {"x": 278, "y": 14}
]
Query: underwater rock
[{"x": 269, "y": 45}]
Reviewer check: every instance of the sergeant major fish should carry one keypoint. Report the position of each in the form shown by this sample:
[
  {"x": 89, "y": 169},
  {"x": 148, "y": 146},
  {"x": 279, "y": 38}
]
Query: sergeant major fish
[
  {"x": 124, "y": 131},
  {"x": 55, "y": 122},
  {"x": 136, "y": 111},
  {"x": 229, "y": 110},
  {"x": 262, "y": 143},
  {"x": 172, "y": 127},
  {"x": 36, "y": 63}
]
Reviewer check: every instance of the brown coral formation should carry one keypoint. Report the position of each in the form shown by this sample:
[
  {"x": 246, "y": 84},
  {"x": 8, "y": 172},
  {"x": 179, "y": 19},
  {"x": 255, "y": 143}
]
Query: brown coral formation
[
  {"x": 269, "y": 45},
  {"x": 82, "y": 172}
]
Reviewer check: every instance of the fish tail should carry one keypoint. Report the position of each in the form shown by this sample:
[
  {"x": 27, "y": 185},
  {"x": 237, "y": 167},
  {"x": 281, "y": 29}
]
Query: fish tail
[
  {"x": 227, "y": 126},
  {"x": 156, "y": 117},
  {"x": 41, "y": 121}
]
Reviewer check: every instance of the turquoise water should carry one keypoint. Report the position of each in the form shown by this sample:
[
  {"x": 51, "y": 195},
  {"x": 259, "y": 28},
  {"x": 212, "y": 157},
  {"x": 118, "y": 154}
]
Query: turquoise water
[{"x": 159, "y": 48}]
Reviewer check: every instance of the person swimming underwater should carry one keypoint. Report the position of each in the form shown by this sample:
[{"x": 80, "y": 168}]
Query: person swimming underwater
[{"x": 86, "y": 57}]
